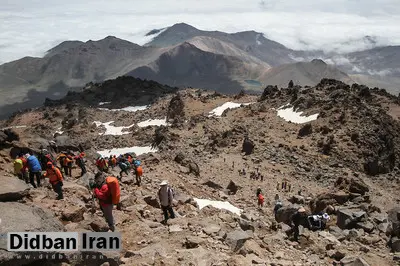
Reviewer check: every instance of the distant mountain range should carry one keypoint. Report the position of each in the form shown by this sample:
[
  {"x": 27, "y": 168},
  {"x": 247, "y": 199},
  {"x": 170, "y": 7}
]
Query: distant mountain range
[{"x": 183, "y": 56}]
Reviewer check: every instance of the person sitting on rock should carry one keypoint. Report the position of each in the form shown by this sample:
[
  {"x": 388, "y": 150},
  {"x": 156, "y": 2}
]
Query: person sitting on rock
[
  {"x": 103, "y": 194},
  {"x": 35, "y": 170},
  {"x": 318, "y": 221},
  {"x": 166, "y": 195},
  {"x": 297, "y": 219},
  {"x": 55, "y": 179}
]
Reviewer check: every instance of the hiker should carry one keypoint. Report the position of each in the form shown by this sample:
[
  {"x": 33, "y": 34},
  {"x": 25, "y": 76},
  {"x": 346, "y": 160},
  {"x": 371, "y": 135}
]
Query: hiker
[
  {"x": 260, "y": 200},
  {"x": 102, "y": 192},
  {"x": 137, "y": 171},
  {"x": 102, "y": 164},
  {"x": 35, "y": 170},
  {"x": 65, "y": 162},
  {"x": 55, "y": 179},
  {"x": 278, "y": 205},
  {"x": 166, "y": 195},
  {"x": 24, "y": 170},
  {"x": 45, "y": 157},
  {"x": 297, "y": 219},
  {"x": 114, "y": 161},
  {"x": 80, "y": 162},
  {"x": 18, "y": 165},
  {"x": 318, "y": 221},
  {"x": 258, "y": 191},
  {"x": 70, "y": 162},
  {"x": 124, "y": 165}
]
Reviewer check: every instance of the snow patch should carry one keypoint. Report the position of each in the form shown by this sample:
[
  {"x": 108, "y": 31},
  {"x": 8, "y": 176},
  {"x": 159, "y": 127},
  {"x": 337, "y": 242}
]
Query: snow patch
[
  {"x": 59, "y": 131},
  {"x": 153, "y": 122},
  {"x": 218, "y": 204},
  {"x": 136, "y": 149},
  {"x": 289, "y": 114},
  {"x": 127, "y": 109},
  {"x": 13, "y": 127},
  {"x": 103, "y": 103},
  {"x": 228, "y": 105},
  {"x": 112, "y": 130},
  {"x": 258, "y": 39}
]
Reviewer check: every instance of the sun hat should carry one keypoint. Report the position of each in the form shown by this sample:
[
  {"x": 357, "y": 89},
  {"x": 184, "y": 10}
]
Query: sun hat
[
  {"x": 301, "y": 209},
  {"x": 164, "y": 182}
]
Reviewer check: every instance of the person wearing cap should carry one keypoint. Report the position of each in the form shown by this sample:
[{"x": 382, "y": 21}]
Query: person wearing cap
[
  {"x": 297, "y": 219},
  {"x": 55, "y": 179},
  {"x": 166, "y": 195},
  {"x": 35, "y": 169}
]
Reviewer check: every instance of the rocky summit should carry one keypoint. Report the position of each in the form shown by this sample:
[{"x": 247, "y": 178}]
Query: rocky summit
[{"x": 332, "y": 147}]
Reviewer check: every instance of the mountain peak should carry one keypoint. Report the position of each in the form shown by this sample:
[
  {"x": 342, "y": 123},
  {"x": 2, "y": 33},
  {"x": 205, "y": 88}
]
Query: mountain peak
[
  {"x": 182, "y": 27},
  {"x": 318, "y": 62}
]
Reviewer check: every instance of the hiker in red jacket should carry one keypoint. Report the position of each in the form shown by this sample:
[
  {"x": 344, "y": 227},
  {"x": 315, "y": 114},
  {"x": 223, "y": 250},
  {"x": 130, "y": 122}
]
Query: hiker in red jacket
[{"x": 102, "y": 192}]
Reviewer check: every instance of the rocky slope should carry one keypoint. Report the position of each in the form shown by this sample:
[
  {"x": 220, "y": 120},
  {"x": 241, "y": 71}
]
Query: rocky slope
[{"x": 345, "y": 161}]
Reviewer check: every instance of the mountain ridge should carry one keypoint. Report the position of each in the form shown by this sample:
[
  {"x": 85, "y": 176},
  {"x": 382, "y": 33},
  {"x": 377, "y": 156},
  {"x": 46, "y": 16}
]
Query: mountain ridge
[{"x": 72, "y": 64}]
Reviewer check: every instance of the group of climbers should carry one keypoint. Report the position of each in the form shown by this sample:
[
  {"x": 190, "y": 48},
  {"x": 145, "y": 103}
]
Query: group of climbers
[
  {"x": 107, "y": 190},
  {"x": 125, "y": 162},
  {"x": 29, "y": 167},
  {"x": 105, "y": 187}
]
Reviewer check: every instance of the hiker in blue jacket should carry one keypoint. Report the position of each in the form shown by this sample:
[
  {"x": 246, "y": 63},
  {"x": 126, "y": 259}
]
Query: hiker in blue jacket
[{"x": 34, "y": 169}]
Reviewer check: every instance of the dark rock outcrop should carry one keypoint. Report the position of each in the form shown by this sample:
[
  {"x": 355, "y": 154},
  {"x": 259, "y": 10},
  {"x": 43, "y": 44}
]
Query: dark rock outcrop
[
  {"x": 176, "y": 109},
  {"x": 248, "y": 146},
  {"x": 305, "y": 130}
]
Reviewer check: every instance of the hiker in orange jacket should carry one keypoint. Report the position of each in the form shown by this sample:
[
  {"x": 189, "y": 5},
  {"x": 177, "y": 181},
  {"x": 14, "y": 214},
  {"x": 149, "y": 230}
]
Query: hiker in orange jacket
[
  {"x": 55, "y": 178},
  {"x": 260, "y": 198},
  {"x": 103, "y": 194}
]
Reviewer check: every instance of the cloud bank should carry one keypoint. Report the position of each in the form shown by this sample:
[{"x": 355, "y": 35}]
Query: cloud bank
[{"x": 30, "y": 28}]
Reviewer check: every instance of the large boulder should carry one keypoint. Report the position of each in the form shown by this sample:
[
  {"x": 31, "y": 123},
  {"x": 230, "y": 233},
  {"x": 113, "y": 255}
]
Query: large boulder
[
  {"x": 395, "y": 244},
  {"x": 305, "y": 130},
  {"x": 12, "y": 189},
  {"x": 284, "y": 214},
  {"x": 322, "y": 201},
  {"x": 353, "y": 185},
  {"x": 248, "y": 146},
  {"x": 237, "y": 238},
  {"x": 17, "y": 217},
  {"x": 176, "y": 108},
  {"x": 348, "y": 218},
  {"x": 73, "y": 214},
  {"x": 232, "y": 188},
  {"x": 353, "y": 261}
]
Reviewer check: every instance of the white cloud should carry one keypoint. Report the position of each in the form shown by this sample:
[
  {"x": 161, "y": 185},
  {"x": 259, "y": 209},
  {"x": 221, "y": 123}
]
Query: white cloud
[{"x": 32, "y": 27}]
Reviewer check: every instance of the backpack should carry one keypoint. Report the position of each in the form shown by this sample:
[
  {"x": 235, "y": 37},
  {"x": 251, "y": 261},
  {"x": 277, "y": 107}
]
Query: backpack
[
  {"x": 137, "y": 163},
  {"x": 113, "y": 186},
  {"x": 139, "y": 171},
  {"x": 172, "y": 190}
]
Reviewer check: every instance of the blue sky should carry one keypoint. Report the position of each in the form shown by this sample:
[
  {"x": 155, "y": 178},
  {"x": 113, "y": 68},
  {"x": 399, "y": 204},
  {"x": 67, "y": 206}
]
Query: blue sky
[{"x": 31, "y": 27}]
